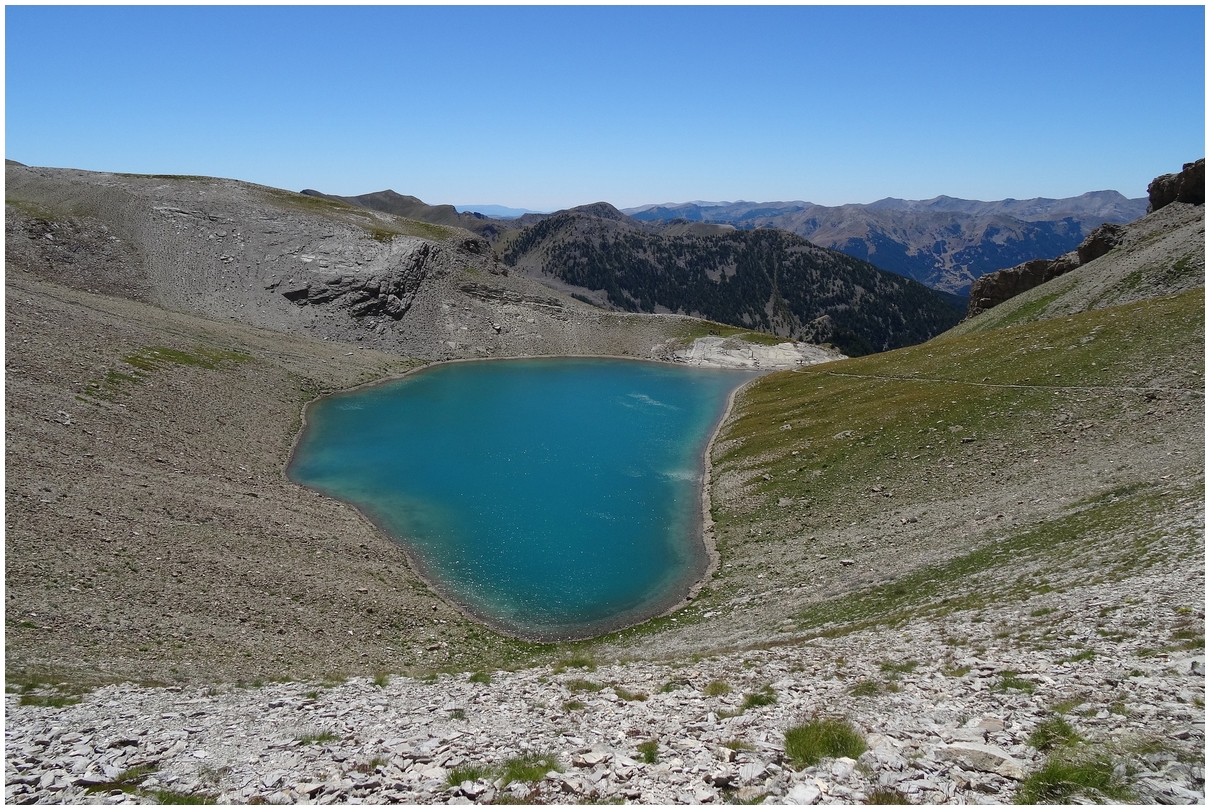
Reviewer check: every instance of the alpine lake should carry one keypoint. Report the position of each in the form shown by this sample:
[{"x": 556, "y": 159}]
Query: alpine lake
[{"x": 554, "y": 498}]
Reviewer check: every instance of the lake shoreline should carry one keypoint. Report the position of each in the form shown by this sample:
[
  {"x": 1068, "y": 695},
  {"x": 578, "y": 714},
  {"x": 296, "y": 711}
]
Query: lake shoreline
[{"x": 704, "y": 551}]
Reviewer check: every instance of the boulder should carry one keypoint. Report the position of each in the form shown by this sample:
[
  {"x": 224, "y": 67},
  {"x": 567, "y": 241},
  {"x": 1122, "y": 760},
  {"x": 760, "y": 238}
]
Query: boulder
[{"x": 985, "y": 758}]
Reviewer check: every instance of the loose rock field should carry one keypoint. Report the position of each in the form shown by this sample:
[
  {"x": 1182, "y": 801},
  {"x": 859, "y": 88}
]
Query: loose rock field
[{"x": 940, "y": 726}]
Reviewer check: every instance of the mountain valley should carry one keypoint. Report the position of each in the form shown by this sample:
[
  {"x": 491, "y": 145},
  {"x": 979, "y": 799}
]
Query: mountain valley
[{"x": 989, "y": 532}]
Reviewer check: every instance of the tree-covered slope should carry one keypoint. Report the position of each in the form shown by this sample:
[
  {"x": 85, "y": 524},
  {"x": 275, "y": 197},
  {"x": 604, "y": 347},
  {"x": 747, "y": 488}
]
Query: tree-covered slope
[{"x": 764, "y": 279}]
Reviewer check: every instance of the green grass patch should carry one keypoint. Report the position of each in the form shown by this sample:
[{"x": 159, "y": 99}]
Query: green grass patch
[
  {"x": 884, "y": 795},
  {"x": 1053, "y": 732},
  {"x": 1010, "y": 681},
  {"x": 626, "y": 694},
  {"x": 865, "y": 689},
  {"x": 575, "y": 662},
  {"x": 810, "y": 742},
  {"x": 894, "y": 669},
  {"x": 717, "y": 689},
  {"x": 127, "y": 781},
  {"x": 468, "y": 773},
  {"x": 1074, "y": 775},
  {"x": 583, "y": 685},
  {"x": 157, "y": 358},
  {"x": 318, "y": 738},
  {"x": 649, "y": 751},
  {"x": 529, "y": 768},
  {"x": 177, "y": 797},
  {"x": 573, "y": 706},
  {"x": 480, "y": 677},
  {"x": 55, "y": 701},
  {"x": 763, "y": 697}
]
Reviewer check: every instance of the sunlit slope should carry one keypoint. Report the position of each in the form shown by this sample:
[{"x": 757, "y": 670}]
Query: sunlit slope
[
  {"x": 1163, "y": 253},
  {"x": 889, "y": 415},
  {"x": 865, "y": 472}
]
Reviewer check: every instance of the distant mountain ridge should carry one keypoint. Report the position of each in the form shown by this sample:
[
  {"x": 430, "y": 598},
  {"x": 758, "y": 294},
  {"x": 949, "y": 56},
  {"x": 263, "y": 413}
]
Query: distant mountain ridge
[{"x": 945, "y": 242}]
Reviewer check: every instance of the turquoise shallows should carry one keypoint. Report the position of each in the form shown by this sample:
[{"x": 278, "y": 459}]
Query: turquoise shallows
[{"x": 552, "y": 498}]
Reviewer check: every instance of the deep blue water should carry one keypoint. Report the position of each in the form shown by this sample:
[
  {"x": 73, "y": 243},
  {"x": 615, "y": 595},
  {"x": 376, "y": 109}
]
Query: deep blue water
[{"x": 554, "y": 498}]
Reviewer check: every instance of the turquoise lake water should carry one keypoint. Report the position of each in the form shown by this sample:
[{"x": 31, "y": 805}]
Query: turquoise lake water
[{"x": 553, "y": 498}]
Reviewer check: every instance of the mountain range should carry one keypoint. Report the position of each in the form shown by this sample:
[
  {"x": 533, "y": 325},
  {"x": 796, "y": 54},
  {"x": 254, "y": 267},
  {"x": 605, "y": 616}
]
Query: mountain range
[{"x": 944, "y": 242}]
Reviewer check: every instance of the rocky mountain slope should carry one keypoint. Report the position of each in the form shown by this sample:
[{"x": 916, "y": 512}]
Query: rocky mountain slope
[
  {"x": 302, "y": 265},
  {"x": 985, "y": 553},
  {"x": 767, "y": 280},
  {"x": 944, "y": 242}
]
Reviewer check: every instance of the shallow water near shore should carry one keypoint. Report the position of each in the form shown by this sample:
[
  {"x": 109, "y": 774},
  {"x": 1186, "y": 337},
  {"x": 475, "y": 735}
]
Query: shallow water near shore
[{"x": 553, "y": 498}]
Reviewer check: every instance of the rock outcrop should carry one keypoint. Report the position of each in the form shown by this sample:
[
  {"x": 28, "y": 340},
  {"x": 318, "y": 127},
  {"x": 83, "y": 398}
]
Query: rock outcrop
[
  {"x": 389, "y": 294},
  {"x": 1187, "y": 186},
  {"x": 996, "y": 288},
  {"x": 734, "y": 352}
]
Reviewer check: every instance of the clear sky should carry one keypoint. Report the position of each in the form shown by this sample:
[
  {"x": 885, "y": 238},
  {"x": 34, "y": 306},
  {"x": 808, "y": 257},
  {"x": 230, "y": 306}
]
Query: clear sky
[{"x": 549, "y": 107}]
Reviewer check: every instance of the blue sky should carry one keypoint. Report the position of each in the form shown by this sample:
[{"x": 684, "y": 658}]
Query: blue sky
[{"x": 548, "y": 107}]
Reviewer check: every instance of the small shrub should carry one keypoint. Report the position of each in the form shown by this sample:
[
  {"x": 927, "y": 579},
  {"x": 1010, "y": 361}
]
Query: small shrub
[
  {"x": 1054, "y": 732},
  {"x": 649, "y": 751},
  {"x": 717, "y": 689},
  {"x": 480, "y": 677},
  {"x": 1064, "y": 778},
  {"x": 810, "y": 742}
]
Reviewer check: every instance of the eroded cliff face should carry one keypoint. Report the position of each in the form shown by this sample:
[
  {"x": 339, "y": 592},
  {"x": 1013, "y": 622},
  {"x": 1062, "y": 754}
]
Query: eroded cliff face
[{"x": 1186, "y": 186}]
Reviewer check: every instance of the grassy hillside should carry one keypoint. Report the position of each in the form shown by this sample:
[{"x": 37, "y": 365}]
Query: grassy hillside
[{"x": 1042, "y": 455}]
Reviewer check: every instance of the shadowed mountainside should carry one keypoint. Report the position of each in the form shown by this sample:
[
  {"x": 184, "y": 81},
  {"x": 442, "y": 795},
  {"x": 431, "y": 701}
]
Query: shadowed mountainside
[{"x": 765, "y": 279}]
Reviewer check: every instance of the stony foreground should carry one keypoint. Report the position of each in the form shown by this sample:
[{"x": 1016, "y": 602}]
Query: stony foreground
[{"x": 940, "y": 725}]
